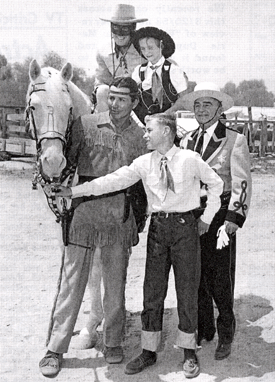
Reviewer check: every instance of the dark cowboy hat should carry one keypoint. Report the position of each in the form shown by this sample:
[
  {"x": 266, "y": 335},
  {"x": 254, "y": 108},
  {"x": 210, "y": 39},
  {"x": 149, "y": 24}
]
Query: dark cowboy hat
[
  {"x": 124, "y": 14},
  {"x": 147, "y": 32}
]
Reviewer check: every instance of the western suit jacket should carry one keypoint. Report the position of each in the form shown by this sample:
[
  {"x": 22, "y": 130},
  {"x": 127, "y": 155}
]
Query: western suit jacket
[{"x": 228, "y": 154}]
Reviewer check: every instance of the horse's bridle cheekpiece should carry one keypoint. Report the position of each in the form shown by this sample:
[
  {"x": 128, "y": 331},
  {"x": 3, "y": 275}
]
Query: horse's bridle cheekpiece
[{"x": 51, "y": 132}]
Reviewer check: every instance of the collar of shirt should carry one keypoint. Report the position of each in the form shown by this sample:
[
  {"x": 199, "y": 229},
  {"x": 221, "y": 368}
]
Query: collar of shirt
[
  {"x": 121, "y": 129},
  {"x": 208, "y": 134},
  {"x": 147, "y": 83},
  {"x": 169, "y": 155},
  {"x": 159, "y": 64}
]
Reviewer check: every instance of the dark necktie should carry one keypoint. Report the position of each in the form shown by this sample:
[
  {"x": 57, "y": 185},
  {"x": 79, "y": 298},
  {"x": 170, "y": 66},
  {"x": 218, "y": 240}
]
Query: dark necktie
[
  {"x": 156, "y": 86},
  {"x": 199, "y": 144},
  {"x": 166, "y": 178}
]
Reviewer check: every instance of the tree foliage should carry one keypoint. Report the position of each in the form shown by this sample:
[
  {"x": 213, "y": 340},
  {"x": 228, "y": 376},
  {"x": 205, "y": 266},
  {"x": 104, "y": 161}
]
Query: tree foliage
[
  {"x": 250, "y": 93},
  {"x": 14, "y": 78},
  {"x": 53, "y": 60}
]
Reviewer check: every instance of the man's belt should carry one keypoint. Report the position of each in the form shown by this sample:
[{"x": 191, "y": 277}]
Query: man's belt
[{"x": 165, "y": 215}]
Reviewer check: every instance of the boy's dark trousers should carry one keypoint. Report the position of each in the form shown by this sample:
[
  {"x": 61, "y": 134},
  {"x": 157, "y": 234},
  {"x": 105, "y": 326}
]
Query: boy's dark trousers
[{"x": 173, "y": 240}]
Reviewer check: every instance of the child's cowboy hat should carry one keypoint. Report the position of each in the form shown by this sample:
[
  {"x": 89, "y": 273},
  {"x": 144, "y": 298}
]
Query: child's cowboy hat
[
  {"x": 168, "y": 43},
  {"x": 207, "y": 89},
  {"x": 124, "y": 14}
]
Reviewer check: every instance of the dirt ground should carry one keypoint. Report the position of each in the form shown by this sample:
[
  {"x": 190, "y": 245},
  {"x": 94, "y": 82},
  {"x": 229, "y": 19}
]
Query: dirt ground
[{"x": 30, "y": 259}]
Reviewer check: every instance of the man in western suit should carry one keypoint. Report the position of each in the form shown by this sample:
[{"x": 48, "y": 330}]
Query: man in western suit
[{"x": 226, "y": 151}]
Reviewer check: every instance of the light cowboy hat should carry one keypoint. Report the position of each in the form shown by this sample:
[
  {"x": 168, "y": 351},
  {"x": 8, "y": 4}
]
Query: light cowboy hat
[
  {"x": 124, "y": 14},
  {"x": 207, "y": 89}
]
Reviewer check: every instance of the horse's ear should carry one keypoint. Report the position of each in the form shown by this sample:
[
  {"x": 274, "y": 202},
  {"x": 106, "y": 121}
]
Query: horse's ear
[
  {"x": 67, "y": 72},
  {"x": 34, "y": 70}
]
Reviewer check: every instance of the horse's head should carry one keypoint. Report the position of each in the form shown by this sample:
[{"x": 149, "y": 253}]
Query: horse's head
[{"x": 50, "y": 114}]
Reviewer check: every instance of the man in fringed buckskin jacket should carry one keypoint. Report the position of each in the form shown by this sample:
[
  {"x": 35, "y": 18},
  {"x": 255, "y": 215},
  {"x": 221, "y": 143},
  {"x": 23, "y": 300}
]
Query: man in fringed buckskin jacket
[{"x": 101, "y": 143}]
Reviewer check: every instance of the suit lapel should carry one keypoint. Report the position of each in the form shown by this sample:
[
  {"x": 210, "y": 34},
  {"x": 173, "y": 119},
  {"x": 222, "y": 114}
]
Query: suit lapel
[
  {"x": 216, "y": 143},
  {"x": 192, "y": 140}
]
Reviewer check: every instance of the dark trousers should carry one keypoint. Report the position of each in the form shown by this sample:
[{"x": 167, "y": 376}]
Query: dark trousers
[
  {"x": 217, "y": 283},
  {"x": 172, "y": 241}
]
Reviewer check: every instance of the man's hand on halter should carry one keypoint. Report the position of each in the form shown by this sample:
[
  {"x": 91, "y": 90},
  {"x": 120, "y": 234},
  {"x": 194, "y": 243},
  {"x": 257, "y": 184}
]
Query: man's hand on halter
[
  {"x": 53, "y": 189},
  {"x": 66, "y": 192}
]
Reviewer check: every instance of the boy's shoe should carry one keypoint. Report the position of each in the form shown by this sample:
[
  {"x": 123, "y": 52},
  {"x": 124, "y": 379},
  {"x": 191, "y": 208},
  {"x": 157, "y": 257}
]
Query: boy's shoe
[
  {"x": 191, "y": 367},
  {"x": 113, "y": 354},
  {"x": 50, "y": 365},
  {"x": 222, "y": 351},
  {"x": 145, "y": 359}
]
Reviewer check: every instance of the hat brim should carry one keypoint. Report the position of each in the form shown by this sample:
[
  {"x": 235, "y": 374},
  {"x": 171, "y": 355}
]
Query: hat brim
[
  {"x": 152, "y": 32},
  {"x": 190, "y": 98},
  {"x": 119, "y": 21}
]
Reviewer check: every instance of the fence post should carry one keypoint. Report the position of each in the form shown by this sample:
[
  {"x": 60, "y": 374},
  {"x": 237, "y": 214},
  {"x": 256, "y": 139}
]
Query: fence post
[
  {"x": 263, "y": 139},
  {"x": 4, "y": 125},
  {"x": 250, "y": 124},
  {"x": 273, "y": 137}
]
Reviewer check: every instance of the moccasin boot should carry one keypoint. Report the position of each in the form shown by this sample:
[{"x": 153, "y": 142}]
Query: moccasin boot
[
  {"x": 113, "y": 354},
  {"x": 50, "y": 365}
]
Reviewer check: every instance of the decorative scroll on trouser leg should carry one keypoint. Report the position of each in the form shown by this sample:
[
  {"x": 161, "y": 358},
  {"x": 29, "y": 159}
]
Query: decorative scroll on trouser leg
[{"x": 88, "y": 336}]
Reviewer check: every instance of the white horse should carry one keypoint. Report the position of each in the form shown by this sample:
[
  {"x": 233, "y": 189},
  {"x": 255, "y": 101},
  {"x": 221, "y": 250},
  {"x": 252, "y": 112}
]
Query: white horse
[{"x": 53, "y": 104}]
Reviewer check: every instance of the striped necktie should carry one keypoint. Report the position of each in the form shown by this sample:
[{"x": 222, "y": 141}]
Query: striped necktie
[{"x": 199, "y": 143}]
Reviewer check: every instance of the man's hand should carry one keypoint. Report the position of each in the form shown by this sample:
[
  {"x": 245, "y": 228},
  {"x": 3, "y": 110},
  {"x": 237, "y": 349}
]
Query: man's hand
[
  {"x": 56, "y": 189},
  {"x": 65, "y": 192},
  {"x": 230, "y": 227},
  {"x": 203, "y": 227}
]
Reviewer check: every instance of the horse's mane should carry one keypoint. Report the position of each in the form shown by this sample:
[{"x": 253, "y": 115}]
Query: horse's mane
[{"x": 81, "y": 102}]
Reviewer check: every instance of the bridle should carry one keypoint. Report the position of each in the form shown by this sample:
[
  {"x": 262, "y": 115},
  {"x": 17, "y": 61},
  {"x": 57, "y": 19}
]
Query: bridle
[{"x": 51, "y": 133}]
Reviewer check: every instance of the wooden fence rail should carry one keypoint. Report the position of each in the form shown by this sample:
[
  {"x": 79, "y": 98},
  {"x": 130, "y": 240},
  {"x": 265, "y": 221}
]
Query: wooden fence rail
[
  {"x": 14, "y": 138},
  {"x": 260, "y": 134}
]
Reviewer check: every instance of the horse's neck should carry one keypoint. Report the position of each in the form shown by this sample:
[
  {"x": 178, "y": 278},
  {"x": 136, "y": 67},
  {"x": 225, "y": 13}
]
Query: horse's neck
[{"x": 81, "y": 102}]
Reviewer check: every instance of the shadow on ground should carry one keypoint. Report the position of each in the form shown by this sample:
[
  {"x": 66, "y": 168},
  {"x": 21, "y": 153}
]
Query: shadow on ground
[{"x": 250, "y": 356}]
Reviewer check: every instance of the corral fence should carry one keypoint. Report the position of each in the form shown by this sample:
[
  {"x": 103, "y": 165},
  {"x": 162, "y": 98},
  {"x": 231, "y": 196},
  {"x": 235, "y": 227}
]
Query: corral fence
[
  {"x": 260, "y": 134},
  {"x": 14, "y": 139}
]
